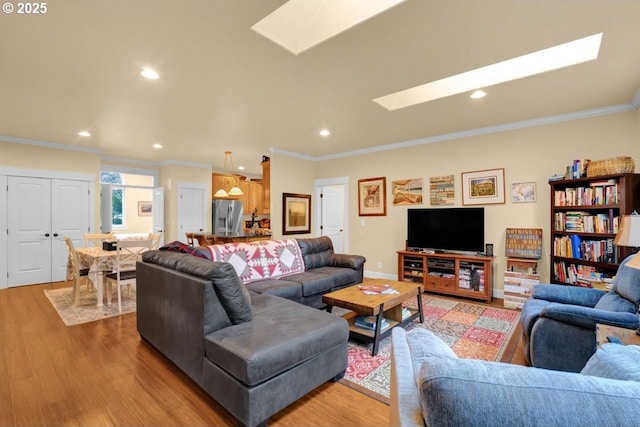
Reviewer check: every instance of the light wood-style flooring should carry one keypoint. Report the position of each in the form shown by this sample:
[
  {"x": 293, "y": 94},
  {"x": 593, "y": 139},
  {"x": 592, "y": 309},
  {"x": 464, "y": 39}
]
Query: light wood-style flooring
[{"x": 102, "y": 374}]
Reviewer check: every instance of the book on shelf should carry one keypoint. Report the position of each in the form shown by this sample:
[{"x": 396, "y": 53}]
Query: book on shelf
[
  {"x": 378, "y": 289},
  {"x": 369, "y": 322},
  {"x": 590, "y": 195},
  {"x": 405, "y": 313}
]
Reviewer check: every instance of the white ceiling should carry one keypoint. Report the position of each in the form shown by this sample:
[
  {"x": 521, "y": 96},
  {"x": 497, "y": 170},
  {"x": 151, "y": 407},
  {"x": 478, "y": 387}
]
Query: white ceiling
[{"x": 224, "y": 87}]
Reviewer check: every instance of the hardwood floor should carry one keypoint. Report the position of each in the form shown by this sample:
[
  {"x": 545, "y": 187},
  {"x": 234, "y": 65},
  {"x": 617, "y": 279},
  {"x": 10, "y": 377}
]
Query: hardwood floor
[{"x": 102, "y": 374}]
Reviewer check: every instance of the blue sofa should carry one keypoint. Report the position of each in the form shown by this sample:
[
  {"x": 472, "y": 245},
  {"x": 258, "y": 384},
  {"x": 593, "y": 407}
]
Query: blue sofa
[
  {"x": 431, "y": 386},
  {"x": 559, "y": 322}
]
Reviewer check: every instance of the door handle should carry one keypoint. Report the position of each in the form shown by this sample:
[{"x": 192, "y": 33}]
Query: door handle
[
  {"x": 47, "y": 234},
  {"x": 55, "y": 234}
]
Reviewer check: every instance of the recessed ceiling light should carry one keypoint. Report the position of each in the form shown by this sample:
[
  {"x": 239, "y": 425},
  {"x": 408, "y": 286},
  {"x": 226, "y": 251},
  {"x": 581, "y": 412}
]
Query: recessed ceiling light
[
  {"x": 299, "y": 25},
  {"x": 240, "y": 168},
  {"x": 553, "y": 58},
  {"x": 478, "y": 94},
  {"x": 84, "y": 133},
  {"x": 157, "y": 146},
  {"x": 150, "y": 74},
  {"x": 325, "y": 132}
]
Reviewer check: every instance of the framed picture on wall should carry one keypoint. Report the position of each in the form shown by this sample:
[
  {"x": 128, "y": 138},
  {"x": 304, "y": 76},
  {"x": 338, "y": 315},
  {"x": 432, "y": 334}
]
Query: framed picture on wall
[
  {"x": 372, "y": 197},
  {"x": 523, "y": 192},
  {"x": 483, "y": 187},
  {"x": 296, "y": 213},
  {"x": 145, "y": 208}
]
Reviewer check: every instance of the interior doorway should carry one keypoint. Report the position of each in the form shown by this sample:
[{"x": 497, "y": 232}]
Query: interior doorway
[{"x": 331, "y": 211}]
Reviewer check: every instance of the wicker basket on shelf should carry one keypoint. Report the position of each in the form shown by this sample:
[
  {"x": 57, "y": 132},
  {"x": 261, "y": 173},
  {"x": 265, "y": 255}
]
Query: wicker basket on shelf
[{"x": 611, "y": 166}]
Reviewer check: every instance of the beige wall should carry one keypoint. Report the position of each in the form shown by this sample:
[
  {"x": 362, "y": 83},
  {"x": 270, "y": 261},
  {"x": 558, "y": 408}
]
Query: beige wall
[
  {"x": 135, "y": 223},
  {"x": 532, "y": 154},
  {"x": 289, "y": 175},
  {"x": 170, "y": 176},
  {"x": 53, "y": 159}
]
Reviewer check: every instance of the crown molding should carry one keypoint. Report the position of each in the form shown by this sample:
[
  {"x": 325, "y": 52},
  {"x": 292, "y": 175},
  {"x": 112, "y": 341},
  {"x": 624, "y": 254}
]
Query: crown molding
[
  {"x": 541, "y": 121},
  {"x": 47, "y": 144}
]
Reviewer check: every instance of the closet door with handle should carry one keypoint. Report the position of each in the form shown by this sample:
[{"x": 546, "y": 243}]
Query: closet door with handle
[
  {"x": 29, "y": 237},
  {"x": 42, "y": 211}
]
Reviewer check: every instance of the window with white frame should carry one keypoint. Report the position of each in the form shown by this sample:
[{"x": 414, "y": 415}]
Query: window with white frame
[{"x": 117, "y": 198}]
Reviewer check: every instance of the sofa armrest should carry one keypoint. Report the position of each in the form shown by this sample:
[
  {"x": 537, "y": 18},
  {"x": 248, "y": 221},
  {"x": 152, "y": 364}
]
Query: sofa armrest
[
  {"x": 343, "y": 260},
  {"x": 404, "y": 398},
  {"x": 576, "y": 295},
  {"x": 467, "y": 392},
  {"x": 587, "y": 317}
]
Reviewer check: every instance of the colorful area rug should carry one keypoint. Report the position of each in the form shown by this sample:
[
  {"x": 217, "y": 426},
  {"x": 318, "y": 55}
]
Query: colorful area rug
[
  {"x": 472, "y": 330},
  {"x": 87, "y": 310}
]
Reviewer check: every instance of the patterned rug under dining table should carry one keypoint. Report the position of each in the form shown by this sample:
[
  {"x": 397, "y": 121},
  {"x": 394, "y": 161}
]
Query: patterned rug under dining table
[{"x": 384, "y": 306}]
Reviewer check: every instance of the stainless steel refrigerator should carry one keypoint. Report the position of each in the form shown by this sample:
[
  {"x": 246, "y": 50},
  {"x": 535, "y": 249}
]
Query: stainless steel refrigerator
[{"x": 227, "y": 217}]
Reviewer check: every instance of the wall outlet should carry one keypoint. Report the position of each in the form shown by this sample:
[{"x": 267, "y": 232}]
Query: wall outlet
[
  {"x": 379, "y": 264},
  {"x": 362, "y": 222}
]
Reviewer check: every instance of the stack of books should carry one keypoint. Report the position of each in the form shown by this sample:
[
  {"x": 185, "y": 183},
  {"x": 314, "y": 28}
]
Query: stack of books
[{"x": 369, "y": 322}]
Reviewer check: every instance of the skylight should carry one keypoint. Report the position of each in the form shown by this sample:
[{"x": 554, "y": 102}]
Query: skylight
[
  {"x": 299, "y": 25},
  {"x": 553, "y": 58}
]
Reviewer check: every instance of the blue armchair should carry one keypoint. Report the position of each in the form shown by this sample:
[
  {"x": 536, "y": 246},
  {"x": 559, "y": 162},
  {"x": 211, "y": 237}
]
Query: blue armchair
[{"x": 559, "y": 322}]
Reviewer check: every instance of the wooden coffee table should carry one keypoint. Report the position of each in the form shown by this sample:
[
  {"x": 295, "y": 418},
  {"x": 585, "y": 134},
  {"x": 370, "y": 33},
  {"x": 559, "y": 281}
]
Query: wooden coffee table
[{"x": 388, "y": 306}]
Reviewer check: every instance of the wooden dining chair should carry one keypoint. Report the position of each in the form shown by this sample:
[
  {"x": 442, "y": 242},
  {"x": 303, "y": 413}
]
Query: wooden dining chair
[
  {"x": 128, "y": 253},
  {"x": 77, "y": 273},
  {"x": 96, "y": 239},
  {"x": 190, "y": 239},
  {"x": 156, "y": 240}
]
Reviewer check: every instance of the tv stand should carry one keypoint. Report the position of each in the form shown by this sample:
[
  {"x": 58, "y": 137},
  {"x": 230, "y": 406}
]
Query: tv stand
[{"x": 461, "y": 275}]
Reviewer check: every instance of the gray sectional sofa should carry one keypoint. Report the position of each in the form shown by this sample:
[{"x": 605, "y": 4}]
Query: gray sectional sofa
[{"x": 254, "y": 353}]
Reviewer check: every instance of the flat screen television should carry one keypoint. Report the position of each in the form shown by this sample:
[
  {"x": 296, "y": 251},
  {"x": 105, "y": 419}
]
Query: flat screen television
[{"x": 446, "y": 229}]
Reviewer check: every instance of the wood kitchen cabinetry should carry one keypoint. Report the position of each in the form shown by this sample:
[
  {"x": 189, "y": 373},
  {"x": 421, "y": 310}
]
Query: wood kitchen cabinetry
[
  {"x": 252, "y": 199},
  {"x": 254, "y": 191},
  {"x": 226, "y": 182},
  {"x": 266, "y": 183}
]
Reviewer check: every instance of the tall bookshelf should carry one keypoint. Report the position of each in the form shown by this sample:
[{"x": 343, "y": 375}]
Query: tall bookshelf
[{"x": 585, "y": 213}]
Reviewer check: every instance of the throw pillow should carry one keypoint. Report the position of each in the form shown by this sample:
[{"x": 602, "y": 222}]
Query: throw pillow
[
  {"x": 615, "y": 361},
  {"x": 627, "y": 282},
  {"x": 231, "y": 294}
]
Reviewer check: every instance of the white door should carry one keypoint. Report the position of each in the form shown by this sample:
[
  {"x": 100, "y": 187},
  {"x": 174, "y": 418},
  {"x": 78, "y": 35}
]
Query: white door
[
  {"x": 41, "y": 212},
  {"x": 69, "y": 218},
  {"x": 332, "y": 215},
  {"x": 191, "y": 211},
  {"x": 29, "y": 220},
  {"x": 158, "y": 213}
]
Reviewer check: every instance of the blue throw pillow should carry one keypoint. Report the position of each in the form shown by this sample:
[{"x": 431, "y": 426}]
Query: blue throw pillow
[
  {"x": 615, "y": 361},
  {"x": 627, "y": 282}
]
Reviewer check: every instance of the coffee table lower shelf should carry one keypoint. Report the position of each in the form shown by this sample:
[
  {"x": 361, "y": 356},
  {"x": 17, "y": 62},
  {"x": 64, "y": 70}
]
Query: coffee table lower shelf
[
  {"x": 369, "y": 335},
  {"x": 387, "y": 305}
]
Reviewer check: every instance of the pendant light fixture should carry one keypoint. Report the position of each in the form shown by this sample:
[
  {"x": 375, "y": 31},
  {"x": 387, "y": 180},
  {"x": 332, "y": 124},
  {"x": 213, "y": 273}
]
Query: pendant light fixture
[{"x": 234, "y": 191}]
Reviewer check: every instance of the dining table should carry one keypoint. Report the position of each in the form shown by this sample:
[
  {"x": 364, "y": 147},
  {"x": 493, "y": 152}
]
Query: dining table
[{"x": 100, "y": 262}]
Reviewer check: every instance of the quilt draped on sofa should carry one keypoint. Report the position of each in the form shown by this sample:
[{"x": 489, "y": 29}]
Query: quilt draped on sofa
[{"x": 260, "y": 260}]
